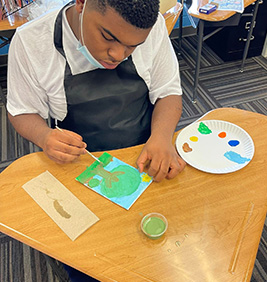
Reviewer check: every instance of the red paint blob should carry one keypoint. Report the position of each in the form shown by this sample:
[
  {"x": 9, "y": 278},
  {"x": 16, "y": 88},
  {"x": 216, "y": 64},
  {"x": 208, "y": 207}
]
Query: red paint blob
[{"x": 222, "y": 134}]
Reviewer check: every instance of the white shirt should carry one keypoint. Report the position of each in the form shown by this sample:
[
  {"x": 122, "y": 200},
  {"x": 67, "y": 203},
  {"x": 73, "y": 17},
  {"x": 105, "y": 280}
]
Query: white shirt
[{"x": 36, "y": 68}]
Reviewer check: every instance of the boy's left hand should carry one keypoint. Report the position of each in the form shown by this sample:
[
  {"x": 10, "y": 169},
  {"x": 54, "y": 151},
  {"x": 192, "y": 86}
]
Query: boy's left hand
[{"x": 161, "y": 159}]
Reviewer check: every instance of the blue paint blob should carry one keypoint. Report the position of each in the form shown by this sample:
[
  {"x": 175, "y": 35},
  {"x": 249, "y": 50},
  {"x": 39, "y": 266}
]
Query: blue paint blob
[
  {"x": 235, "y": 157},
  {"x": 233, "y": 143}
]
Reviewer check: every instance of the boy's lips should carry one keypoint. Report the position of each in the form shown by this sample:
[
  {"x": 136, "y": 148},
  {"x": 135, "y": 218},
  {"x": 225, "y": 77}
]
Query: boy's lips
[{"x": 108, "y": 65}]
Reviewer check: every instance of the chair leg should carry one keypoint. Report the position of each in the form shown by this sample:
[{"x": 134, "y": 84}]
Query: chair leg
[
  {"x": 2, "y": 95},
  {"x": 199, "y": 49},
  {"x": 245, "y": 52},
  {"x": 181, "y": 27}
]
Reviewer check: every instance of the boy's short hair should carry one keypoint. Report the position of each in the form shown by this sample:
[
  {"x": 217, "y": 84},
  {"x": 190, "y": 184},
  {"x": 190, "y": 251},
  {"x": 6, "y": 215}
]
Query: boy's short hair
[{"x": 139, "y": 13}]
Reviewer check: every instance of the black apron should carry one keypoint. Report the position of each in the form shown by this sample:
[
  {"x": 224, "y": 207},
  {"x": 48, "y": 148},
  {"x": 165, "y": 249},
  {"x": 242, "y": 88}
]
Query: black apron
[{"x": 110, "y": 109}]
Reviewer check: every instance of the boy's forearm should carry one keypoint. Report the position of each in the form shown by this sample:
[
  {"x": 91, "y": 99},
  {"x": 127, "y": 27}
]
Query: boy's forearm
[
  {"x": 30, "y": 126},
  {"x": 166, "y": 115}
]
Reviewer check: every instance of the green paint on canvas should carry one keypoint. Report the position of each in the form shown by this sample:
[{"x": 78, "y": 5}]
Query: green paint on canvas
[
  {"x": 122, "y": 181},
  {"x": 116, "y": 180}
]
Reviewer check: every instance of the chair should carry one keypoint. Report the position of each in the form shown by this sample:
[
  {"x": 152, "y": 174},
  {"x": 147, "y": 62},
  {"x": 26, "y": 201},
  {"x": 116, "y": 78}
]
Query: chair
[{"x": 171, "y": 10}]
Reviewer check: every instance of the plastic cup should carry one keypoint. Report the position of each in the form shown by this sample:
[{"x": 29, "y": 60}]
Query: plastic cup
[{"x": 154, "y": 225}]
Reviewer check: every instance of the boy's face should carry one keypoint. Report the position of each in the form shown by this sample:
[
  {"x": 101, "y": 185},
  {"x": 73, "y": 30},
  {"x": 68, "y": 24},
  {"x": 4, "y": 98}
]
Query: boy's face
[{"x": 109, "y": 38}]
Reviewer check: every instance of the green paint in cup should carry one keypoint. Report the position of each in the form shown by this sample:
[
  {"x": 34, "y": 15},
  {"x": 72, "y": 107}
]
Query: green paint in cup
[{"x": 154, "y": 225}]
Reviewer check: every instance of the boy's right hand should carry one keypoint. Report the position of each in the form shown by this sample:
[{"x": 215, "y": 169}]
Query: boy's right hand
[{"x": 63, "y": 146}]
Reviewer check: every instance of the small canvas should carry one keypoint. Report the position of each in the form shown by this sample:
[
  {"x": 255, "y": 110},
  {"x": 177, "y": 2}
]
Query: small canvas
[{"x": 115, "y": 180}]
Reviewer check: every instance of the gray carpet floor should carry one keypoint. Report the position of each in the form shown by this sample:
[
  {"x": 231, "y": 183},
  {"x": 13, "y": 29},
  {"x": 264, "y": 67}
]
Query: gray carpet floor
[{"x": 220, "y": 85}]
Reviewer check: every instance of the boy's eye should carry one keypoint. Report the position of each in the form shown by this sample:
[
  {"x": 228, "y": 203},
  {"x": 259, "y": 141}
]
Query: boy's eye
[{"x": 108, "y": 39}]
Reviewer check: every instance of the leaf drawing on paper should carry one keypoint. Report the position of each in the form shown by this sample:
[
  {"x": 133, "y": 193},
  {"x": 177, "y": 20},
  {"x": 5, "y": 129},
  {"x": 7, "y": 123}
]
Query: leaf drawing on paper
[
  {"x": 57, "y": 206},
  {"x": 60, "y": 209}
]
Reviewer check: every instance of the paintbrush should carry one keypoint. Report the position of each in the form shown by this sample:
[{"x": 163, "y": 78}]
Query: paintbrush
[{"x": 85, "y": 149}]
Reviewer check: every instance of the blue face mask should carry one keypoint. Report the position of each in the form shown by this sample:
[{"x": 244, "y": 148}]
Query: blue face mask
[{"x": 83, "y": 49}]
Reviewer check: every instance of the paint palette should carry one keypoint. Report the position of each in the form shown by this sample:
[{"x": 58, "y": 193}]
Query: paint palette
[{"x": 215, "y": 146}]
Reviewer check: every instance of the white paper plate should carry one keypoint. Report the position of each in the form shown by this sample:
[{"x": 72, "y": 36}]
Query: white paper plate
[{"x": 213, "y": 152}]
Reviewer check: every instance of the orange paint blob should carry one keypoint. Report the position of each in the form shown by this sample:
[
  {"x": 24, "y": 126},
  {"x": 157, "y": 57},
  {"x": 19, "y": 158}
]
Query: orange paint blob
[
  {"x": 187, "y": 148},
  {"x": 222, "y": 134}
]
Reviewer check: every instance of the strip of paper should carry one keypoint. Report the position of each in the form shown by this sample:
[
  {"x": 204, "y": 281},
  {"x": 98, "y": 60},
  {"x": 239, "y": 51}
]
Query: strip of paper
[{"x": 66, "y": 210}]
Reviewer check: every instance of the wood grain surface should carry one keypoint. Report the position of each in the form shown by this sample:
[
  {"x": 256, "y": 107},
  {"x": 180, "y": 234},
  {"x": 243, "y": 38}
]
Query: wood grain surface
[{"x": 215, "y": 221}]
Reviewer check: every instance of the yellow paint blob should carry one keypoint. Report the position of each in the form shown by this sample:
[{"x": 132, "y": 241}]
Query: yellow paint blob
[
  {"x": 146, "y": 178},
  {"x": 194, "y": 138}
]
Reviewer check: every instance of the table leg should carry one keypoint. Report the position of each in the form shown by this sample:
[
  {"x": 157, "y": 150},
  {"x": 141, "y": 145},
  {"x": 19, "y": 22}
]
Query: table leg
[
  {"x": 245, "y": 52},
  {"x": 181, "y": 28},
  {"x": 199, "y": 49}
]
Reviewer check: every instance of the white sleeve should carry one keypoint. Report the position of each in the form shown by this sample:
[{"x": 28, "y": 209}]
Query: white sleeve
[
  {"x": 165, "y": 76},
  {"x": 24, "y": 92}
]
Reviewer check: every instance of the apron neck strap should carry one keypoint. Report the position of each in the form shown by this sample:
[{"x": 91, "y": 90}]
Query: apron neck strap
[{"x": 58, "y": 30}]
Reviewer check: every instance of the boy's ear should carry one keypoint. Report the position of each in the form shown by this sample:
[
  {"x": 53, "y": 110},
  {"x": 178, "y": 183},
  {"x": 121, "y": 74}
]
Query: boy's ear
[{"x": 79, "y": 5}]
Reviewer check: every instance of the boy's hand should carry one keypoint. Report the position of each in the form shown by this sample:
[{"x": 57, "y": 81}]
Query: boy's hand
[
  {"x": 63, "y": 146},
  {"x": 161, "y": 159}
]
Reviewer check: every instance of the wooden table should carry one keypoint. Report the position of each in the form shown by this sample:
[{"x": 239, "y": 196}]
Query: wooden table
[
  {"x": 215, "y": 221},
  {"x": 171, "y": 16},
  {"x": 220, "y": 19},
  {"x": 216, "y": 16},
  {"x": 15, "y": 20},
  {"x": 8, "y": 25}
]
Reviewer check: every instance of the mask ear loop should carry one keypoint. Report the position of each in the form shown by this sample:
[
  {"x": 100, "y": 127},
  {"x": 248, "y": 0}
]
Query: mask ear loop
[{"x": 81, "y": 20}]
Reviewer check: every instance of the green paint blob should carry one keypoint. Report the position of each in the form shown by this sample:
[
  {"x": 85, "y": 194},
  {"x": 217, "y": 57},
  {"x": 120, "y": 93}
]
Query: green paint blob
[
  {"x": 203, "y": 129},
  {"x": 121, "y": 181},
  {"x": 154, "y": 226}
]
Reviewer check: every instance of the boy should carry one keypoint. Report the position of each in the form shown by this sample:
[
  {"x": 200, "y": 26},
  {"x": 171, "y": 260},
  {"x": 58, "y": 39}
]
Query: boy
[{"x": 106, "y": 72}]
